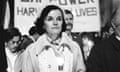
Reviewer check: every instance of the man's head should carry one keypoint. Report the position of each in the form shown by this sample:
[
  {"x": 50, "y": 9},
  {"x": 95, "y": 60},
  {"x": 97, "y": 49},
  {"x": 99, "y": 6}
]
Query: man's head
[
  {"x": 68, "y": 20},
  {"x": 12, "y": 39}
]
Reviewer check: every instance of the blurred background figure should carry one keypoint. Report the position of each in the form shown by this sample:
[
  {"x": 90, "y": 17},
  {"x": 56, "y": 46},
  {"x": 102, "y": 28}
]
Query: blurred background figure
[
  {"x": 12, "y": 41},
  {"x": 106, "y": 31},
  {"x": 105, "y": 56},
  {"x": 69, "y": 22},
  {"x": 87, "y": 43},
  {"x": 69, "y": 26}
]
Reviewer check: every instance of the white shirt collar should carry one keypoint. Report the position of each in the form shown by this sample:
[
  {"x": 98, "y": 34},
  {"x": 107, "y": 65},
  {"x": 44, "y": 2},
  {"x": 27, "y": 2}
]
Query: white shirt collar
[
  {"x": 54, "y": 42},
  {"x": 11, "y": 58},
  {"x": 118, "y": 38}
]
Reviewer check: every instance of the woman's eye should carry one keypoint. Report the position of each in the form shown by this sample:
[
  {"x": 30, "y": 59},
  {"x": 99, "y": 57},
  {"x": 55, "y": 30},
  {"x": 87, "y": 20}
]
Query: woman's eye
[
  {"x": 59, "y": 18},
  {"x": 49, "y": 18}
]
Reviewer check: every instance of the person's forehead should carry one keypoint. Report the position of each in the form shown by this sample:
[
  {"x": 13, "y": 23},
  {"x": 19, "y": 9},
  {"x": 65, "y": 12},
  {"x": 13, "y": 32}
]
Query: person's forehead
[
  {"x": 16, "y": 38},
  {"x": 68, "y": 15},
  {"x": 55, "y": 13}
]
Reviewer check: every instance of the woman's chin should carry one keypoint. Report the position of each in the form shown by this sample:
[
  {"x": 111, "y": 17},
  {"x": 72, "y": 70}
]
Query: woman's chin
[{"x": 13, "y": 50}]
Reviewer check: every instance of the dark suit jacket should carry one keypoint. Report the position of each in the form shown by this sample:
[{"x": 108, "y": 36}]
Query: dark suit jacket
[{"x": 105, "y": 56}]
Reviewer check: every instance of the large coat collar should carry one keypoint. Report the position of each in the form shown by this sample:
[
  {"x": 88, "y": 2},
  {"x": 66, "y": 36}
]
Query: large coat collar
[
  {"x": 42, "y": 41},
  {"x": 38, "y": 46}
]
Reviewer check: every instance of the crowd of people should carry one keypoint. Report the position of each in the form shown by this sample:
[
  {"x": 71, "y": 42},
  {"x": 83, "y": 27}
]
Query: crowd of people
[{"x": 51, "y": 46}]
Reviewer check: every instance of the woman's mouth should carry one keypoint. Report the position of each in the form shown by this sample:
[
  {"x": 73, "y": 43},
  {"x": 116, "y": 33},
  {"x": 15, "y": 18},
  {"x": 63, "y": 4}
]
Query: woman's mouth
[{"x": 55, "y": 27}]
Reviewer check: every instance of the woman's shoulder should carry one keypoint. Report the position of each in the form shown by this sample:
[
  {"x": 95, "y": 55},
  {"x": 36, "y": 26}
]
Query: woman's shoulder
[
  {"x": 38, "y": 45},
  {"x": 74, "y": 45},
  {"x": 41, "y": 38}
]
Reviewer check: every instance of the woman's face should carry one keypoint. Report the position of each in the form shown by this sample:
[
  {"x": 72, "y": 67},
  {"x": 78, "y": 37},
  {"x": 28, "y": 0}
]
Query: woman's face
[
  {"x": 13, "y": 43},
  {"x": 53, "y": 22}
]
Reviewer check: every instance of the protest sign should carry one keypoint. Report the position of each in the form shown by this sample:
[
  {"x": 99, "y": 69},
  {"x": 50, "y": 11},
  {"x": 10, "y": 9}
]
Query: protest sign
[{"x": 86, "y": 13}]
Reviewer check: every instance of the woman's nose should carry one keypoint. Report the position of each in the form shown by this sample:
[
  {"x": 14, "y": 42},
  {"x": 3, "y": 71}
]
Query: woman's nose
[{"x": 55, "y": 22}]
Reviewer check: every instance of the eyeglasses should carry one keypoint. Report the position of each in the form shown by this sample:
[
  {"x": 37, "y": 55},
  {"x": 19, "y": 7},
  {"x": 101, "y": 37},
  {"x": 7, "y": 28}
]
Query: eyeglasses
[{"x": 16, "y": 42}]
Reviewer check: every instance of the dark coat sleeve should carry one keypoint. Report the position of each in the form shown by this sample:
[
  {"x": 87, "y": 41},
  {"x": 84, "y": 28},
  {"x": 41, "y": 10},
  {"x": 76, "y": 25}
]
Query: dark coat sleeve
[{"x": 95, "y": 62}]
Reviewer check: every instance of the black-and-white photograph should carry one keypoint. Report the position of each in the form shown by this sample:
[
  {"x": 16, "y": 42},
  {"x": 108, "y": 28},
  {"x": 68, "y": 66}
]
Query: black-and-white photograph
[{"x": 59, "y": 36}]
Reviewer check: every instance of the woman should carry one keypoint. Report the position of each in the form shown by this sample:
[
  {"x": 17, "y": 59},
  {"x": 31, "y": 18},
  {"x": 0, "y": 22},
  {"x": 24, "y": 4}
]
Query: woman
[
  {"x": 53, "y": 51},
  {"x": 12, "y": 41}
]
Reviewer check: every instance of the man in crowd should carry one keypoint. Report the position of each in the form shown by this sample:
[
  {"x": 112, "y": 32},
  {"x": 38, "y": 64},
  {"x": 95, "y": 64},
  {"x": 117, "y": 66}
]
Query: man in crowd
[
  {"x": 69, "y": 26},
  {"x": 105, "y": 56},
  {"x": 12, "y": 53},
  {"x": 69, "y": 22}
]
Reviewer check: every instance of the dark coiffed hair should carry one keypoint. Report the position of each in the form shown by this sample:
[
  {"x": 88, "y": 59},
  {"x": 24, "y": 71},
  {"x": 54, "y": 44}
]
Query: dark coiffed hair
[
  {"x": 33, "y": 30},
  {"x": 68, "y": 12},
  {"x": 10, "y": 33},
  {"x": 40, "y": 20}
]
